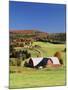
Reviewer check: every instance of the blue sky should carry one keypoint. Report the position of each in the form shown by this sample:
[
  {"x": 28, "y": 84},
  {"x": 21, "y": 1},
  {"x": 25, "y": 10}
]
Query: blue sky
[{"x": 37, "y": 16}]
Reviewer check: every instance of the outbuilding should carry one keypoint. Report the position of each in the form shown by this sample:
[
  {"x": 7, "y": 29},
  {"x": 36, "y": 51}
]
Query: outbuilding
[{"x": 43, "y": 62}]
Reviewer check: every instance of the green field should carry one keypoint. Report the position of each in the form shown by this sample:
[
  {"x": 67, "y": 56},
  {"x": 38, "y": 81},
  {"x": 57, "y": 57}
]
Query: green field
[{"x": 27, "y": 77}]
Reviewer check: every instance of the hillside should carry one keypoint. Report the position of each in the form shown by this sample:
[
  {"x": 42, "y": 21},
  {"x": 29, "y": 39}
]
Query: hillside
[
  {"x": 39, "y": 35},
  {"x": 35, "y": 34},
  {"x": 26, "y": 32}
]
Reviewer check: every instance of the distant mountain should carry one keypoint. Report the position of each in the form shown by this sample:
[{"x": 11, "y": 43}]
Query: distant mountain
[
  {"x": 25, "y": 31},
  {"x": 22, "y": 31},
  {"x": 34, "y": 34},
  {"x": 38, "y": 35}
]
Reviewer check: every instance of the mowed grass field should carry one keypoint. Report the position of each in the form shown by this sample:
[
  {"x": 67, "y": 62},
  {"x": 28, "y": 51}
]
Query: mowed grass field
[{"x": 28, "y": 77}]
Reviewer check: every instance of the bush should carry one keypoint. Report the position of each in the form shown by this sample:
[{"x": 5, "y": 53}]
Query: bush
[
  {"x": 13, "y": 62},
  {"x": 18, "y": 62},
  {"x": 65, "y": 50},
  {"x": 12, "y": 71},
  {"x": 17, "y": 56},
  {"x": 61, "y": 61},
  {"x": 26, "y": 64},
  {"x": 59, "y": 56}
]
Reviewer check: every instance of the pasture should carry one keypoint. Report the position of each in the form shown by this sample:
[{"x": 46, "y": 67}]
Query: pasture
[{"x": 23, "y": 77}]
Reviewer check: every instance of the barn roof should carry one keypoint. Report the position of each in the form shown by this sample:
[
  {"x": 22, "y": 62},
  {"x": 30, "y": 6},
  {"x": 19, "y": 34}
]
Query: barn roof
[{"x": 36, "y": 60}]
